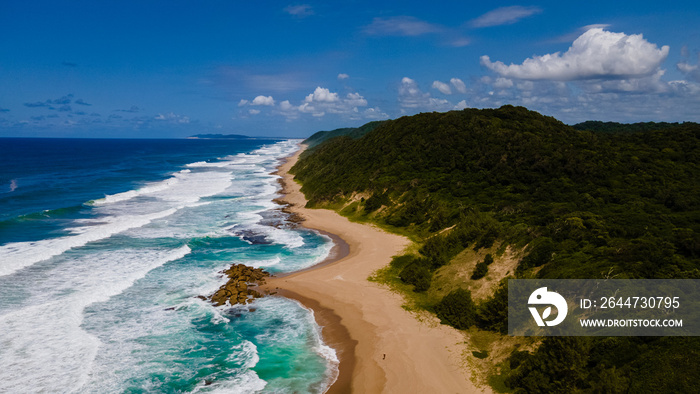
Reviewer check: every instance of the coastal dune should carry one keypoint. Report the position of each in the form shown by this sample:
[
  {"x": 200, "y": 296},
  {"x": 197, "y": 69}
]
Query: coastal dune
[{"x": 381, "y": 346}]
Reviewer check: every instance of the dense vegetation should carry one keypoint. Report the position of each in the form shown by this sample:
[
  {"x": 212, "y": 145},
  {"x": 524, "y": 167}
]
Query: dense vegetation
[
  {"x": 352, "y": 132},
  {"x": 589, "y": 201},
  {"x": 614, "y": 127}
]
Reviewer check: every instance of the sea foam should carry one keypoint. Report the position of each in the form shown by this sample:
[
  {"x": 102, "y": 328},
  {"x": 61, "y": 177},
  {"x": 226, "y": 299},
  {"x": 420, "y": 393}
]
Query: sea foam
[{"x": 44, "y": 347}]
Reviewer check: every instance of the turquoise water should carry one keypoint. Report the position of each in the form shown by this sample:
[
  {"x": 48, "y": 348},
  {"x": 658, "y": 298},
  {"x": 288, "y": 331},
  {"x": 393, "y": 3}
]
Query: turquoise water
[{"x": 104, "y": 250}]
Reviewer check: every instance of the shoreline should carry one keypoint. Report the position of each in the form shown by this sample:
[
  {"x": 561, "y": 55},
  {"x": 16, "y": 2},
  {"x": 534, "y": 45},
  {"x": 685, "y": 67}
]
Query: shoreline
[{"x": 381, "y": 347}]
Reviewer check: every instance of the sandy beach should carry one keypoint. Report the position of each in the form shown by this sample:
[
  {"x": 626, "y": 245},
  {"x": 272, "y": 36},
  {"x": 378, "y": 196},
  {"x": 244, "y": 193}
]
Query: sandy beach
[{"x": 382, "y": 347}]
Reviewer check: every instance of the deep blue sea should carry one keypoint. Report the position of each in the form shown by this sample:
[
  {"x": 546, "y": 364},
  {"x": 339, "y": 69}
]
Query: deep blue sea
[{"x": 105, "y": 246}]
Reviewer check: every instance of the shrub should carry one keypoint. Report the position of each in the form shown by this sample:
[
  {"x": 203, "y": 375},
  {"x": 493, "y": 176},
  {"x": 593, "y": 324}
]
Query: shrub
[
  {"x": 417, "y": 275},
  {"x": 480, "y": 271},
  {"x": 457, "y": 309}
]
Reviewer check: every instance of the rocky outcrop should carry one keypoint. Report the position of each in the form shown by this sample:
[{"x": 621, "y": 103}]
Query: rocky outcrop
[{"x": 240, "y": 287}]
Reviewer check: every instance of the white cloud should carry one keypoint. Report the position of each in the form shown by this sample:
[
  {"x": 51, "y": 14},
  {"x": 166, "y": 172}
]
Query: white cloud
[
  {"x": 400, "y": 26},
  {"x": 503, "y": 83},
  {"x": 595, "y": 54},
  {"x": 374, "y": 113},
  {"x": 685, "y": 67},
  {"x": 263, "y": 100},
  {"x": 322, "y": 95},
  {"x": 286, "y": 105},
  {"x": 322, "y": 101},
  {"x": 504, "y": 16},
  {"x": 288, "y": 110},
  {"x": 461, "y": 105},
  {"x": 299, "y": 10},
  {"x": 355, "y": 100},
  {"x": 691, "y": 71},
  {"x": 319, "y": 103},
  {"x": 442, "y": 87},
  {"x": 649, "y": 84},
  {"x": 459, "y": 85},
  {"x": 411, "y": 96},
  {"x": 242, "y": 103},
  {"x": 575, "y": 34},
  {"x": 343, "y": 76}
]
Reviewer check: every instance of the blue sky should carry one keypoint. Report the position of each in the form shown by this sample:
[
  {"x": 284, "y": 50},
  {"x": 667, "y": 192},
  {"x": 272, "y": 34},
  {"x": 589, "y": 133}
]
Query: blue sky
[{"x": 278, "y": 68}]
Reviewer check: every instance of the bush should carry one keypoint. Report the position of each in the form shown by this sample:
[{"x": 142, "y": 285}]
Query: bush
[
  {"x": 493, "y": 313},
  {"x": 480, "y": 271},
  {"x": 540, "y": 253},
  {"x": 416, "y": 274},
  {"x": 402, "y": 261},
  {"x": 457, "y": 309},
  {"x": 482, "y": 268}
]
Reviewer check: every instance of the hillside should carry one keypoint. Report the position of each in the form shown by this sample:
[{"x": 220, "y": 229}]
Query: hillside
[
  {"x": 352, "y": 132},
  {"x": 481, "y": 190}
]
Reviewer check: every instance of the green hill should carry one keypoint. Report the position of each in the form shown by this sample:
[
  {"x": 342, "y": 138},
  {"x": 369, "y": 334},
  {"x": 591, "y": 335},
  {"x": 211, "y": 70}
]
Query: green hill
[
  {"x": 352, "y": 132},
  {"x": 587, "y": 203}
]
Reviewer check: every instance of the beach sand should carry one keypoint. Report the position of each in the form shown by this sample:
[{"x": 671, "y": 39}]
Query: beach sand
[{"x": 382, "y": 348}]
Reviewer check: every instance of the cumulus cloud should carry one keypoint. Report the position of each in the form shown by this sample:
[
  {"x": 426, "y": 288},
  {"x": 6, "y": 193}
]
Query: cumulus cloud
[
  {"x": 263, "y": 100},
  {"x": 299, "y": 10},
  {"x": 319, "y": 103},
  {"x": 400, "y": 26},
  {"x": 343, "y": 76},
  {"x": 595, "y": 54},
  {"x": 374, "y": 113},
  {"x": 503, "y": 83},
  {"x": 322, "y": 95},
  {"x": 355, "y": 100},
  {"x": 442, "y": 87},
  {"x": 322, "y": 101},
  {"x": 286, "y": 105},
  {"x": 459, "y": 85},
  {"x": 504, "y": 16},
  {"x": 411, "y": 96}
]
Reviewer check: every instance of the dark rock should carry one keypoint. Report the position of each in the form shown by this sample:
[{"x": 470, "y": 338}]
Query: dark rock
[{"x": 237, "y": 290}]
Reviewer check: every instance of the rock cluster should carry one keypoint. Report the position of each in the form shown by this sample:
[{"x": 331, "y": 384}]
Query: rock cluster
[{"x": 238, "y": 288}]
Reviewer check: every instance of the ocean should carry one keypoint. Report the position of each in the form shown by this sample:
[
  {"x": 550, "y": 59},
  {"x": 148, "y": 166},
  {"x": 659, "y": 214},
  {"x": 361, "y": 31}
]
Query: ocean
[{"x": 105, "y": 246}]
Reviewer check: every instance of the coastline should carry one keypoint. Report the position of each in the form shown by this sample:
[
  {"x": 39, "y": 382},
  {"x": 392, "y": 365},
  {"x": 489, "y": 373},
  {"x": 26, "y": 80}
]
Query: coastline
[{"x": 381, "y": 346}]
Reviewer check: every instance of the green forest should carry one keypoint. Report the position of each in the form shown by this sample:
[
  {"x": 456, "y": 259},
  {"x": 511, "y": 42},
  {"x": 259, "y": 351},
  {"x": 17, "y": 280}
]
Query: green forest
[{"x": 586, "y": 201}]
